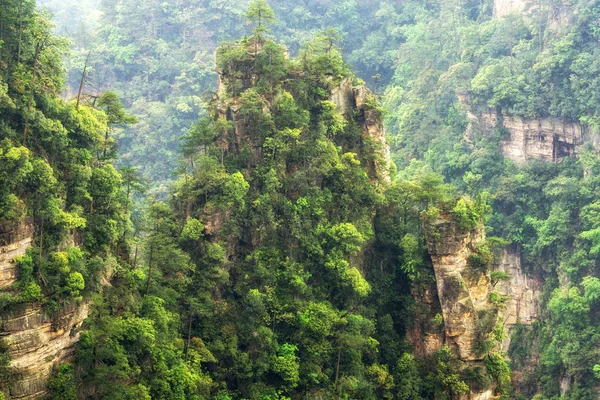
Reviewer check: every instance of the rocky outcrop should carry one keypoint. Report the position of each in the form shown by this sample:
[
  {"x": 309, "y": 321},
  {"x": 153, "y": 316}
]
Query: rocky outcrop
[
  {"x": 487, "y": 395},
  {"x": 34, "y": 340},
  {"x": 523, "y": 292},
  {"x": 505, "y": 7},
  {"x": 547, "y": 139},
  {"x": 37, "y": 342},
  {"x": 464, "y": 292},
  {"x": 14, "y": 242},
  {"x": 465, "y": 296},
  {"x": 351, "y": 99},
  {"x": 426, "y": 332},
  {"x": 8, "y": 269}
]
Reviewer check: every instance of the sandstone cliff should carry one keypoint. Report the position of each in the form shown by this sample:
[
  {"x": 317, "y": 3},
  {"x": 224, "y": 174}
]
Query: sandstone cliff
[
  {"x": 34, "y": 340},
  {"x": 349, "y": 100},
  {"x": 464, "y": 296},
  {"x": 547, "y": 139},
  {"x": 522, "y": 291},
  {"x": 36, "y": 343},
  {"x": 464, "y": 292},
  {"x": 426, "y": 331}
]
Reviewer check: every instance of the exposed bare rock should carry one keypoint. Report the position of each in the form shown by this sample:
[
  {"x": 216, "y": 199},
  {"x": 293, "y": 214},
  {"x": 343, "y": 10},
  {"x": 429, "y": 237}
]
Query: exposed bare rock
[
  {"x": 14, "y": 242},
  {"x": 8, "y": 269},
  {"x": 487, "y": 395},
  {"x": 464, "y": 295},
  {"x": 463, "y": 292},
  {"x": 425, "y": 333},
  {"x": 351, "y": 99},
  {"x": 547, "y": 139},
  {"x": 213, "y": 220},
  {"x": 37, "y": 342},
  {"x": 505, "y": 7},
  {"x": 343, "y": 96},
  {"x": 523, "y": 292}
]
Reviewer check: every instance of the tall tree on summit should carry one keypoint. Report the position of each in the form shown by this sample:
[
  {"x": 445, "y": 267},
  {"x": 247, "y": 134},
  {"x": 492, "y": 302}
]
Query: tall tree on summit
[{"x": 260, "y": 13}]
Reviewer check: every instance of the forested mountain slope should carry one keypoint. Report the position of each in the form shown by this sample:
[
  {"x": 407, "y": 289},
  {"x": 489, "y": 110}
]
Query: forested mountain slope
[
  {"x": 159, "y": 57},
  {"x": 506, "y": 104},
  {"x": 293, "y": 255},
  {"x": 64, "y": 221}
]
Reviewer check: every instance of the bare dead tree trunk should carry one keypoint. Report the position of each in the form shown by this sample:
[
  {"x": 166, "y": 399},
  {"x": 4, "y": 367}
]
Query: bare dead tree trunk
[
  {"x": 189, "y": 338},
  {"x": 82, "y": 80},
  {"x": 149, "y": 269},
  {"x": 38, "y": 48},
  {"x": 20, "y": 32}
]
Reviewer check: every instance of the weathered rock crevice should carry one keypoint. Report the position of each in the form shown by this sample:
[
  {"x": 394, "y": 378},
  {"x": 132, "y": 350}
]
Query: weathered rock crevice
[
  {"x": 426, "y": 332},
  {"x": 464, "y": 297},
  {"x": 462, "y": 291}
]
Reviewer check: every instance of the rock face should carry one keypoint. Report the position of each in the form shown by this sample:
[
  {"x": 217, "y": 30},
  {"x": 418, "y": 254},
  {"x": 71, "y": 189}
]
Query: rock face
[
  {"x": 426, "y": 333},
  {"x": 505, "y": 7},
  {"x": 523, "y": 292},
  {"x": 464, "y": 293},
  {"x": 547, "y": 139},
  {"x": 36, "y": 343},
  {"x": 13, "y": 243},
  {"x": 349, "y": 99}
]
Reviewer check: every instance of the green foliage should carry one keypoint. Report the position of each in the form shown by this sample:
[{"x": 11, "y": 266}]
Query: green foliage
[
  {"x": 443, "y": 380},
  {"x": 286, "y": 365},
  {"x": 481, "y": 260},
  {"x": 499, "y": 276},
  {"x": 193, "y": 230},
  {"x": 498, "y": 369},
  {"x": 274, "y": 277},
  {"x": 260, "y": 13},
  {"x": 61, "y": 385},
  {"x": 408, "y": 378}
]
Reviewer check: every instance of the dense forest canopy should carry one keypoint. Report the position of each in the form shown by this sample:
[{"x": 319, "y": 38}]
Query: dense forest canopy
[
  {"x": 160, "y": 58},
  {"x": 212, "y": 182}
]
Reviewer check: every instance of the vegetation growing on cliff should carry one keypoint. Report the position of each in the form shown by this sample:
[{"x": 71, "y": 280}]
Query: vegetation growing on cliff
[
  {"x": 278, "y": 262},
  {"x": 57, "y": 180},
  {"x": 528, "y": 64}
]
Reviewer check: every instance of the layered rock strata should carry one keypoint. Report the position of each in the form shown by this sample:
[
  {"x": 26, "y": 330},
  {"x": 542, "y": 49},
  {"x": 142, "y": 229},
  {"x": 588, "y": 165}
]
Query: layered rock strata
[
  {"x": 547, "y": 139},
  {"x": 523, "y": 292},
  {"x": 36, "y": 343},
  {"x": 464, "y": 293},
  {"x": 14, "y": 242}
]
